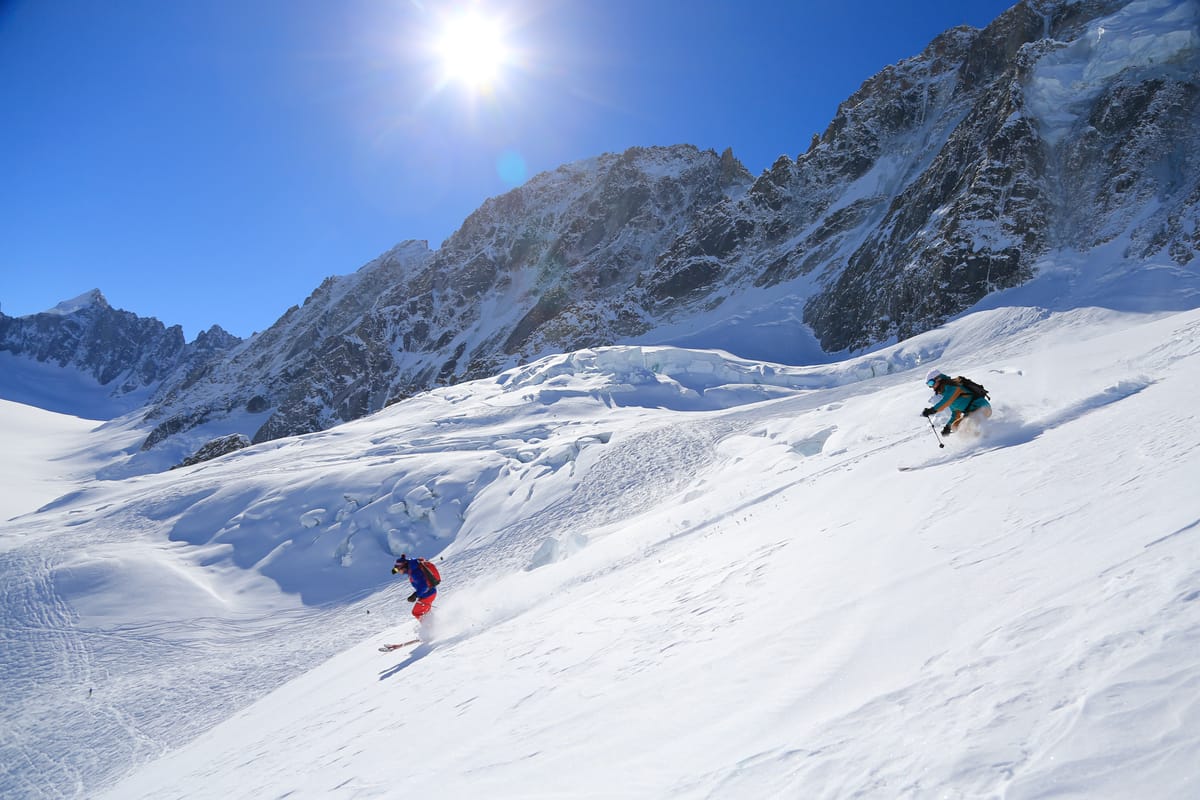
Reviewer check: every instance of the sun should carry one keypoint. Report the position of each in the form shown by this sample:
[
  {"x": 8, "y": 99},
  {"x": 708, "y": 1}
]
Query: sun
[{"x": 472, "y": 50}]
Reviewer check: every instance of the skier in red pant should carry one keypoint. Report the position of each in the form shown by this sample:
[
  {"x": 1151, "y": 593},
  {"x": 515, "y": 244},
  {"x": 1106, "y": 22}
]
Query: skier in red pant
[{"x": 424, "y": 577}]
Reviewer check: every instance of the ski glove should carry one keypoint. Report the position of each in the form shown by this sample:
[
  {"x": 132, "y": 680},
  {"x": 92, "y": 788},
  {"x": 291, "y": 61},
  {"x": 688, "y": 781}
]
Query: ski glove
[
  {"x": 946, "y": 431},
  {"x": 412, "y": 598},
  {"x": 395, "y": 570},
  {"x": 927, "y": 412}
]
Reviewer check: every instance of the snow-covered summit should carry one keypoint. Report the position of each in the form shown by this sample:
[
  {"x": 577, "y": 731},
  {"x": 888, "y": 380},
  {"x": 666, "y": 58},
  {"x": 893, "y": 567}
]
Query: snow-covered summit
[
  {"x": 112, "y": 359},
  {"x": 75, "y": 304}
]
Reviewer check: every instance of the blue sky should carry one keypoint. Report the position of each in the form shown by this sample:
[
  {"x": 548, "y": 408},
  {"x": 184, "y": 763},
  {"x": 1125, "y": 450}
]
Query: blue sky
[{"x": 211, "y": 161}]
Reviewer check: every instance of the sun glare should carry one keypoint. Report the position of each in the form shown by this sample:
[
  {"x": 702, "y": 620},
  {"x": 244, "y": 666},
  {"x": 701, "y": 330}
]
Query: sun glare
[{"x": 472, "y": 50}]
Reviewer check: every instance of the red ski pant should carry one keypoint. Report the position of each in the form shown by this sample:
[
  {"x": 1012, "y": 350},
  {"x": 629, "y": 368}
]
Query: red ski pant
[{"x": 423, "y": 604}]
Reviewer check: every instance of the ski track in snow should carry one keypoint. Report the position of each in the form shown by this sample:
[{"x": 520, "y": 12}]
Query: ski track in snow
[
  {"x": 132, "y": 692},
  {"x": 164, "y": 683}
]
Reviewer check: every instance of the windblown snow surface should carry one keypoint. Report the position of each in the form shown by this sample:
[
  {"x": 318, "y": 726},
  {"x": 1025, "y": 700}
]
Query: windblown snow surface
[{"x": 668, "y": 573}]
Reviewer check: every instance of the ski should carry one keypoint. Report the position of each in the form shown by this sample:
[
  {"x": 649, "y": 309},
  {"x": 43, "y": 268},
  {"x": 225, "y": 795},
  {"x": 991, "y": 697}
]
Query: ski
[{"x": 387, "y": 648}]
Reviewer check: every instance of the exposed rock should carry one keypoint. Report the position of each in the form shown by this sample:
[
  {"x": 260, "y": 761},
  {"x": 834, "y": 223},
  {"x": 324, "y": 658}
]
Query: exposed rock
[
  {"x": 536, "y": 270},
  {"x": 216, "y": 448}
]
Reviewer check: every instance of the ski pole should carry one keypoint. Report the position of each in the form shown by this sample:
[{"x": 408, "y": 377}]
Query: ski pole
[{"x": 935, "y": 433}]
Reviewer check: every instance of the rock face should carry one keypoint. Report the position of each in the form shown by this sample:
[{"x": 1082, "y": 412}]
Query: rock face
[
  {"x": 117, "y": 348},
  {"x": 945, "y": 177},
  {"x": 1065, "y": 125},
  {"x": 320, "y": 363},
  {"x": 558, "y": 264},
  {"x": 223, "y": 445}
]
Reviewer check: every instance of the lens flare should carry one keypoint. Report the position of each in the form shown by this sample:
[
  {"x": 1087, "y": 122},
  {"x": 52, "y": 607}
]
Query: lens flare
[{"x": 510, "y": 166}]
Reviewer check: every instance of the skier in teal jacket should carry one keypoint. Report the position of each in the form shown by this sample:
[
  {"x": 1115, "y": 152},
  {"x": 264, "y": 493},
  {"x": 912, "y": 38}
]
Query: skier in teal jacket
[{"x": 961, "y": 401}]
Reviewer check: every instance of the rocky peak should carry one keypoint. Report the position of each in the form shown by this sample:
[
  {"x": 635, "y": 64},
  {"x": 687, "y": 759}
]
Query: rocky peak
[
  {"x": 115, "y": 347},
  {"x": 92, "y": 298},
  {"x": 214, "y": 339},
  {"x": 734, "y": 174}
]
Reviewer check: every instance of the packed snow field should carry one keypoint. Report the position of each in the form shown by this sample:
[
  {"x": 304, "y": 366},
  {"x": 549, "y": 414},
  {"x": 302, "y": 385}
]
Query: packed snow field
[{"x": 668, "y": 573}]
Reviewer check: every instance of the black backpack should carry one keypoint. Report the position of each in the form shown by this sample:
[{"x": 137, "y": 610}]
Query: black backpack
[{"x": 971, "y": 386}]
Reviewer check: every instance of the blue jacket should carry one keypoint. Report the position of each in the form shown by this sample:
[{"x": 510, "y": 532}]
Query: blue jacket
[
  {"x": 416, "y": 576},
  {"x": 958, "y": 400}
]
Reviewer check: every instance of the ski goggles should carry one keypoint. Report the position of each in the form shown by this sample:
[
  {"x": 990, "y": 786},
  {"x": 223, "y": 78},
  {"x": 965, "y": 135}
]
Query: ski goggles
[{"x": 931, "y": 382}]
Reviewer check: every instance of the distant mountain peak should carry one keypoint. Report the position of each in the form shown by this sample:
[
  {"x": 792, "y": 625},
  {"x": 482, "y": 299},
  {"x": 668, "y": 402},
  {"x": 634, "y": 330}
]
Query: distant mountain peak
[
  {"x": 127, "y": 354},
  {"x": 89, "y": 298}
]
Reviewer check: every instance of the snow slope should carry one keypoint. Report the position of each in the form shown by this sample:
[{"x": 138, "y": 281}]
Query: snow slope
[
  {"x": 668, "y": 573},
  {"x": 42, "y": 452}
]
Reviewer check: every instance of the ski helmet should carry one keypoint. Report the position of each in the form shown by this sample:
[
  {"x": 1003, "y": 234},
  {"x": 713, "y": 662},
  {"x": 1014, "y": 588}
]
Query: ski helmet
[{"x": 933, "y": 375}]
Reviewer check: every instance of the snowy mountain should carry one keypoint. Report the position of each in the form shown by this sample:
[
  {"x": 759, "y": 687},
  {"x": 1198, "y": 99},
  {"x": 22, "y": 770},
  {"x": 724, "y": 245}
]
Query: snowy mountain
[
  {"x": 541, "y": 269},
  {"x": 1065, "y": 133},
  {"x": 1061, "y": 126},
  {"x": 120, "y": 356}
]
